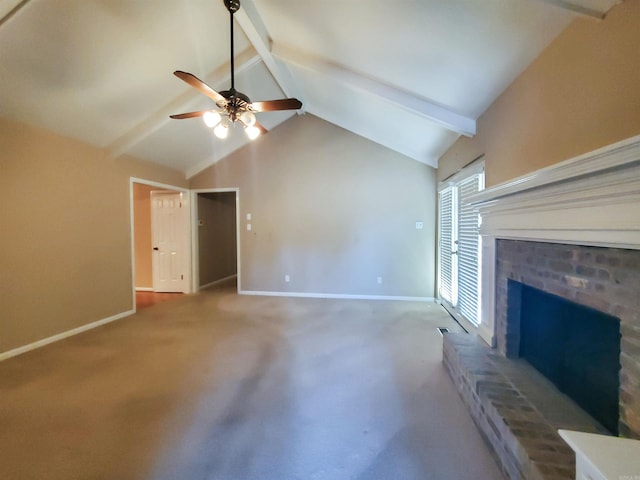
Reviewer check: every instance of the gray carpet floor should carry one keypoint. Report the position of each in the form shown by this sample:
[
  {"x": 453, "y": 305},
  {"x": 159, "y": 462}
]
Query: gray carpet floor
[{"x": 227, "y": 387}]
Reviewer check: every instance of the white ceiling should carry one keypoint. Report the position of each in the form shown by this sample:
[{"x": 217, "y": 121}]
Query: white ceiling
[{"x": 412, "y": 75}]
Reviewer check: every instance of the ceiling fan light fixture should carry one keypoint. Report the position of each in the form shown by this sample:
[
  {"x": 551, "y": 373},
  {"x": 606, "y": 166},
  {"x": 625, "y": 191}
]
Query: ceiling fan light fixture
[
  {"x": 248, "y": 118},
  {"x": 211, "y": 119},
  {"x": 222, "y": 130},
  {"x": 252, "y": 132}
]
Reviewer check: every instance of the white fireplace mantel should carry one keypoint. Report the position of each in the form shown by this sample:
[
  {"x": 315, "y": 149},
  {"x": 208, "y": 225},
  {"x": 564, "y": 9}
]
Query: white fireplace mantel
[{"x": 592, "y": 199}]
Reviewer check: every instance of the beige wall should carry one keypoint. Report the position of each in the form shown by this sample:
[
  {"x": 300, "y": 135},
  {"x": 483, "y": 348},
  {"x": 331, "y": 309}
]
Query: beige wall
[
  {"x": 142, "y": 234},
  {"x": 216, "y": 236},
  {"x": 65, "y": 248},
  {"x": 332, "y": 210},
  {"x": 582, "y": 93}
]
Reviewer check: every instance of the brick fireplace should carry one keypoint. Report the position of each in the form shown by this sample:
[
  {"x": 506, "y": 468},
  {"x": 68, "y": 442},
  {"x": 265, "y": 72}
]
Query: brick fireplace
[
  {"x": 605, "y": 279},
  {"x": 571, "y": 230}
]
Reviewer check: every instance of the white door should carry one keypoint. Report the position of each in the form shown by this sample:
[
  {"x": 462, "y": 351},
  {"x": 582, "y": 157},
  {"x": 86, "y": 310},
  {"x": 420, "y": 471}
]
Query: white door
[
  {"x": 169, "y": 229},
  {"x": 459, "y": 249}
]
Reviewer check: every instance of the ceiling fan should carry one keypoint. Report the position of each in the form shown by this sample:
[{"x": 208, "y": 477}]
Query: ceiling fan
[{"x": 233, "y": 106}]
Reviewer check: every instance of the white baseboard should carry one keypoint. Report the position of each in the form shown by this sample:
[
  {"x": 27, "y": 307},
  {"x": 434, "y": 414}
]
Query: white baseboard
[
  {"x": 144, "y": 289},
  {"x": 217, "y": 282},
  {"x": 337, "y": 296},
  {"x": 60, "y": 336}
]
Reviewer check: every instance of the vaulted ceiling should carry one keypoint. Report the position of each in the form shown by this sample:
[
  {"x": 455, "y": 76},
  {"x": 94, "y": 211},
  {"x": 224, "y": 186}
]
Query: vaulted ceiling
[{"x": 412, "y": 75}]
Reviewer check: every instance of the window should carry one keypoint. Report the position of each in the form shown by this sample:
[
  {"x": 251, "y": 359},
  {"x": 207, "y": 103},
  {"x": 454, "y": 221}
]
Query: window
[{"x": 459, "y": 244}]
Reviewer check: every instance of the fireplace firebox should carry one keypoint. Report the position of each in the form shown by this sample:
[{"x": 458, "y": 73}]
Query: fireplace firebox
[{"x": 574, "y": 346}]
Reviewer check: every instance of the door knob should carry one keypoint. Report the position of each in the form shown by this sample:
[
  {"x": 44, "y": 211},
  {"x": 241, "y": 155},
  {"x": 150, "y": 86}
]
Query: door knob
[{"x": 156, "y": 248}]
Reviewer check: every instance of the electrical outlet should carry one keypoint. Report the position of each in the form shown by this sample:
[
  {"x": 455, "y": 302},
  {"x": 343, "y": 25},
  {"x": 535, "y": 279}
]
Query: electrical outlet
[
  {"x": 419, "y": 225},
  {"x": 379, "y": 279},
  {"x": 248, "y": 226},
  {"x": 248, "y": 216},
  {"x": 286, "y": 278}
]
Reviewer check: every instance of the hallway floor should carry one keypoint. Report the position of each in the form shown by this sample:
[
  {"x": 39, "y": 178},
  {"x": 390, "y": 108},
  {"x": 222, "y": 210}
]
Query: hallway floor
[
  {"x": 227, "y": 387},
  {"x": 148, "y": 299}
]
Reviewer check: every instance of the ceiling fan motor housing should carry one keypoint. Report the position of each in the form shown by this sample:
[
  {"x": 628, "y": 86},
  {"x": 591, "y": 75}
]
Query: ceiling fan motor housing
[
  {"x": 232, "y": 5},
  {"x": 238, "y": 102}
]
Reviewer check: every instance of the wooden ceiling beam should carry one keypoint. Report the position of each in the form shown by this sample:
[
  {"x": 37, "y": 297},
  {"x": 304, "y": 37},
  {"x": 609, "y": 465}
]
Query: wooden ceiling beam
[{"x": 428, "y": 109}]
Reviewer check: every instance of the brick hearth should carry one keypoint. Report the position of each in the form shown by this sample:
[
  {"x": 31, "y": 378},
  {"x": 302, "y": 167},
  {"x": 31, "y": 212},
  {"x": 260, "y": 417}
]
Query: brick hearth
[{"x": 516, "y": 409}]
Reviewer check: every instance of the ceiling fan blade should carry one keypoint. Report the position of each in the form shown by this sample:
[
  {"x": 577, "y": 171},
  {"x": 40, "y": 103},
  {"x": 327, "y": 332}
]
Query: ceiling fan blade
[
  {"x": 180, "y": 116},
  {"x": 273, "y": 105},
  {"x": 202, "y": 87}
]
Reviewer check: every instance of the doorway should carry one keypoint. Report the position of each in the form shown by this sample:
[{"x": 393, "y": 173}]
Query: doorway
[
  {"x": 144, "y": 287},
  {"x": 216, "y": 237}
]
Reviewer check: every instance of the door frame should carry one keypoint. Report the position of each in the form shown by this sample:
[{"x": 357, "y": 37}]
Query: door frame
[
  {"x": 195, "y": 257},
  {"x": 189, "y": 230}
]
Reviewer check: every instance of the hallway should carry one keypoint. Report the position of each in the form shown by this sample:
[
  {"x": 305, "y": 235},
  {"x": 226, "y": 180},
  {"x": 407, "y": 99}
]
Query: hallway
[{"x": 227, "y": 387}]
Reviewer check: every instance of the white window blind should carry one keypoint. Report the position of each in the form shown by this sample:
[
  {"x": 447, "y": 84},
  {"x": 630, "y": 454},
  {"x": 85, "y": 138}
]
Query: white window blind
[
  {"x": 468, "y": 249},
  {"x": 446, "y": 246}
]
